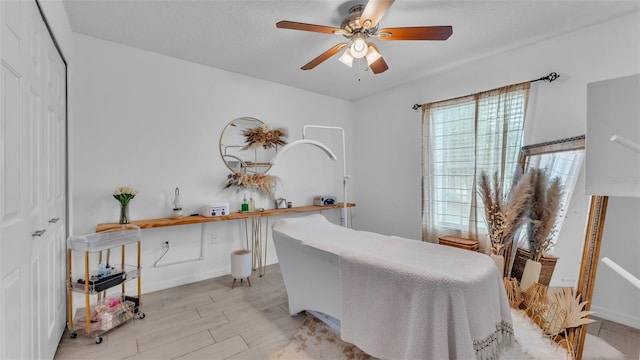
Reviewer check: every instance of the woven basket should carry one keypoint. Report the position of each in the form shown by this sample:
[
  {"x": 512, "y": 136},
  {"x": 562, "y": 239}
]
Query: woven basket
[{"x": 548, "y": 265}]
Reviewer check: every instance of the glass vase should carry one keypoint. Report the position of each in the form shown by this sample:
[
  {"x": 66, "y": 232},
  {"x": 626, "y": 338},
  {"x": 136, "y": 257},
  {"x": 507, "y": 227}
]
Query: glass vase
[{"x": 124, "y": 214}]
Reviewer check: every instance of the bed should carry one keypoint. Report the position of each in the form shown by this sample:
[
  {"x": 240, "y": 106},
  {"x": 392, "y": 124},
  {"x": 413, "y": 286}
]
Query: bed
[{"x": 392, "y": 297}]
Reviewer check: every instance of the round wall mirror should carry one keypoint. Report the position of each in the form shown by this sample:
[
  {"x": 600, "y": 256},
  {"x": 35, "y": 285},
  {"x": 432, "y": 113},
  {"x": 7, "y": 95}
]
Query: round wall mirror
[{"x": 239, "y": 150}]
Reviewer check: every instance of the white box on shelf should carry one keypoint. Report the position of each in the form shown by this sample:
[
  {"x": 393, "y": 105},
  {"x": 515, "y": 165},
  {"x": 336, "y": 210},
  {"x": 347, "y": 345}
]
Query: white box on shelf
[
  {"x": 324, "y": 200},
  {"x": 215, "y": 209}
]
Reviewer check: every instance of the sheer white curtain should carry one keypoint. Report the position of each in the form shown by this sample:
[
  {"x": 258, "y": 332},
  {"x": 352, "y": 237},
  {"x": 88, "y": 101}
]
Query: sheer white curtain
[{"x": 460, "y": 138}]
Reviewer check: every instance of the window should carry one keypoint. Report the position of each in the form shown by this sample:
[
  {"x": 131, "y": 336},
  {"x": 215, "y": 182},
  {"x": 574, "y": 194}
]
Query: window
[{"x": 461, "y": 138}]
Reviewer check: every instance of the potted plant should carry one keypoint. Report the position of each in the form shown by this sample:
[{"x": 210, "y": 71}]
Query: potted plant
[{"x": 124, "y": 194}]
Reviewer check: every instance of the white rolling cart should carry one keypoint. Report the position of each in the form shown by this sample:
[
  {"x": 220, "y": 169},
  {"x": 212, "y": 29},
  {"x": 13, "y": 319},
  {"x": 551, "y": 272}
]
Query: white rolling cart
[{"x": 103, "y": 313}]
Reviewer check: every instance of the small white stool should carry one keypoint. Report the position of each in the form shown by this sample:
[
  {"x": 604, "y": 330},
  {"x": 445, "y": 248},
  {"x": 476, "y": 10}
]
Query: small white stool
[{"x": 240, "y": 266}]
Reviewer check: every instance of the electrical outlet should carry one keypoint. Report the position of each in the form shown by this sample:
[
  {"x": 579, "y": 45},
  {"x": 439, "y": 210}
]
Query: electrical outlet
[
  {"x": 165, "y": 245},
  {"x": 214, "y": 238}
]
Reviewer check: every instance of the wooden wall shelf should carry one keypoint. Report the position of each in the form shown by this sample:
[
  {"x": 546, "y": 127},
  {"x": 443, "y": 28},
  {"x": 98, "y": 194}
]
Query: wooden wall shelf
[{"x": 188, "y": 220}]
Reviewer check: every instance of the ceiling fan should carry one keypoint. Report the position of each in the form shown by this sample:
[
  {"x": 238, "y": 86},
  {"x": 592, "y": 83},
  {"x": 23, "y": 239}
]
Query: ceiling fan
[{"x": 360, "y": 25}]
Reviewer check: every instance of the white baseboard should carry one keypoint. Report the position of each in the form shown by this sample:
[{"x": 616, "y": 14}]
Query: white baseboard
[
  {"x": 167, "y": 283},
  {"x": 616, "y": 316},
  {"x": 188, "y": 278}
]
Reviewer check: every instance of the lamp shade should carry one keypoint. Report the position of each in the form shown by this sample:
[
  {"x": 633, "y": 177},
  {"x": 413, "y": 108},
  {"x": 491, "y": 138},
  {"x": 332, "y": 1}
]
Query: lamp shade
[
  {"x": 346, "y": 58},
  {"x": 358, "y": 46},
  {"x": 372, "y": 55}
]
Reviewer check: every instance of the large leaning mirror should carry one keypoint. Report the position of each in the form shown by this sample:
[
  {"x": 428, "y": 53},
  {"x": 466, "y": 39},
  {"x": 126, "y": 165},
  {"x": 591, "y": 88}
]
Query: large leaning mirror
[
  {"x": 239, "y": 153},
  {"x": 560, "y": 159},
  {"x": 563, "y": 159}
]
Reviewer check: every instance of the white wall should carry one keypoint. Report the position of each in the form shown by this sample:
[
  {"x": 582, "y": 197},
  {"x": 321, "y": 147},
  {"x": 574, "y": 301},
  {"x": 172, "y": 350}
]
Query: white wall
[
  {"x": 614, "y": 297},
  {"x": 388, "y": 132},
  {"x": 154, "y": 122}
]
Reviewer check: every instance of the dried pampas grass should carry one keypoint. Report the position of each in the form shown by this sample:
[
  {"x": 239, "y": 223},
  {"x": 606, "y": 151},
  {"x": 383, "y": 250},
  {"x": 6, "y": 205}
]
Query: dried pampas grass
[
  {"x": 518, "y": 206},
  {"x": 504, "y": 214},
  {"x": 545, "y": 207}
]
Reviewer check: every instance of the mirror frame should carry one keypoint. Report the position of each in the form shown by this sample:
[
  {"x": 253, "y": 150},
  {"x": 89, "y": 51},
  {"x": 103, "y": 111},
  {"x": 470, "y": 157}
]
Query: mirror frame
[
  {"x": 593, "y": 234},
  {"x": 573, "y": 143},
  {"x": 266, "y": 166},
  {"x": 589, "y": 263}
]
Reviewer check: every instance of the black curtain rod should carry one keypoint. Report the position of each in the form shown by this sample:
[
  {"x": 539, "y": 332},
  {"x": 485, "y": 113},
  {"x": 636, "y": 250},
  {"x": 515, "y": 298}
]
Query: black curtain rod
[{"x": 550, "y": 78}]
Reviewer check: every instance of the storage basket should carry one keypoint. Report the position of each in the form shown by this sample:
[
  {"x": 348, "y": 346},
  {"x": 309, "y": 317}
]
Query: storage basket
[
  {"x": 462, "y": 243},
  {"x": 547, "y": 261}
]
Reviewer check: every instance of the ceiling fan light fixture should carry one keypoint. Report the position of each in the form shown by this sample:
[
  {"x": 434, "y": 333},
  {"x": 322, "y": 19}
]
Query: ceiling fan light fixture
[
  {"x": 358, "y": 46},
  {"x": 372, "y": 55},
  {"x": 361, "y": 24},
  {"x": 346, "y": 58}
]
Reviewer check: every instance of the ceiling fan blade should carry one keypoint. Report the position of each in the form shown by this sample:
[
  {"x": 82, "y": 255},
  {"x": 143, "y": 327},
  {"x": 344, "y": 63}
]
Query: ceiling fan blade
[
  {"x": 416, "y": 33},
  {"x": 307, "y": 27},
  {"x": 373, "y": 12},
  {"x": 324, "y": 56},
  {"x": 378, "y": 66}
]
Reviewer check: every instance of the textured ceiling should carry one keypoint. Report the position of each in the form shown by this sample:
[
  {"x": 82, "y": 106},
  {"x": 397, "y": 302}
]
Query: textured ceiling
[{"x": 240, "y": 35}]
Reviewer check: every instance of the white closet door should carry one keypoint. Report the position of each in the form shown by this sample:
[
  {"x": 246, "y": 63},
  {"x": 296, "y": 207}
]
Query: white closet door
[
  {"x": 52, "y": 252},
  {"x": 15, "y": 222},
  {"x": 32, "y": 185}
]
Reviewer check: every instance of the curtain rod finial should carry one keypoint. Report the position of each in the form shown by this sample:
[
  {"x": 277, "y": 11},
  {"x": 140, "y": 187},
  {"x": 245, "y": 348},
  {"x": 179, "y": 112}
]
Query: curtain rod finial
[
  {"x": 550, "y": 78},
  {"x": 553, "y": 76},
  {"x": 416, "y": 106}
]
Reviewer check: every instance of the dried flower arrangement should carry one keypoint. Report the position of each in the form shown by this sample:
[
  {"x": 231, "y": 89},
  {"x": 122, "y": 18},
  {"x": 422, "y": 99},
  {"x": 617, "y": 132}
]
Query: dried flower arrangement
[
  {"x": 504, "y": 215},
  {"x": 544, "y": 209},
  {"x": 260, "y": 182},
  {"x": 265, "y": 137},
  {"x": 566, "y": 303},
  {"x": 565, "y": 312}
]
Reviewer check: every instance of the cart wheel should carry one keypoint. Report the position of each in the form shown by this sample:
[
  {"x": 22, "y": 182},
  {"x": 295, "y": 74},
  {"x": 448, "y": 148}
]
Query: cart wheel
[
  {"x": 73, "y": 335},
  {"x": 98, "y": 340},
  {"x": 141, "y": 316}
]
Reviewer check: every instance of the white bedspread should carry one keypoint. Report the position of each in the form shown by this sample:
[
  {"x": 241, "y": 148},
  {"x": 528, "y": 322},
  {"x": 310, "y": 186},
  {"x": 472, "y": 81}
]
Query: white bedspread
[{"x": 409, "y": 299}]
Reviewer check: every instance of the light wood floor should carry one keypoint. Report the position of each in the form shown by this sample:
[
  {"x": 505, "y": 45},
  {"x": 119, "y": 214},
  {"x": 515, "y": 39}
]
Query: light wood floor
[
  {"x": 209, "y": 320},
  {"x": 622, "y": 337},
  {"x": 203, "y": 320}
]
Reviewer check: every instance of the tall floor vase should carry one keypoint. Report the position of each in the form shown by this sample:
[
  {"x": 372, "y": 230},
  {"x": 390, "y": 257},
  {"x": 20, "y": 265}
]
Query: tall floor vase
[{"x": 499, "y": 260}]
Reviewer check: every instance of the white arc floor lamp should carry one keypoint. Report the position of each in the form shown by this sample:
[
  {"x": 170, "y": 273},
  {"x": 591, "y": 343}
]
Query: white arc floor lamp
[{"x": 343, "y": 221}]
